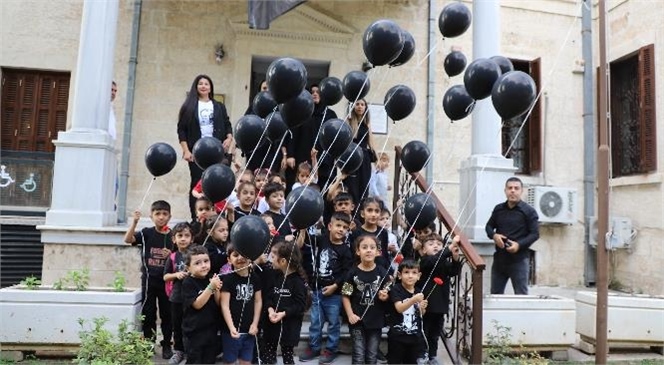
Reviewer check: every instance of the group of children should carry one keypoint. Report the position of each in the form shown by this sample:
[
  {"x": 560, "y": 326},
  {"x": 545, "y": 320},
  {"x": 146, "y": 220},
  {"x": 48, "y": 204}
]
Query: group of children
[{"x": 212, "y": 301}]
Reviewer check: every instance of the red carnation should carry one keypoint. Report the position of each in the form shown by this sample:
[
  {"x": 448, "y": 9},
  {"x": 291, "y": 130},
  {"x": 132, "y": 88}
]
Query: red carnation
[
  {"x": 166, "y": 229},
  {"x": 398, "y": 259},
  {"x": 438, "y": 281}
]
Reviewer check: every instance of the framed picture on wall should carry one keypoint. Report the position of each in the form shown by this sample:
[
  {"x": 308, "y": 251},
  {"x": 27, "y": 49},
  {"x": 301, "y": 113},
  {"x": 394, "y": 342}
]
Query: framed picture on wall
[{"x": 379, "y": 119}]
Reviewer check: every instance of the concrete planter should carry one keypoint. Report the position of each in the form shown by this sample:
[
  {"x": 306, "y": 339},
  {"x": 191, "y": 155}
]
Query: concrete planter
[
  {"x": 45, "y": 318},
  {"x": 542, "y": 322},
  {"x": 632, "y": 319}
]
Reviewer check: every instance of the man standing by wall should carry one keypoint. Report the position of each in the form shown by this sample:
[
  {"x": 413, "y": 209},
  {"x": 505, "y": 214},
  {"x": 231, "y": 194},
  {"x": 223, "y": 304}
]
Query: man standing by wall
[{"x": 514, "y": 227}]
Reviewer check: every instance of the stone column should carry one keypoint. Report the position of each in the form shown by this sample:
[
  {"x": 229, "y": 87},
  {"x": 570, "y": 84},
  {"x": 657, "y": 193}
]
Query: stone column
[
  {"x": 484, "y": 173},
  {"x": 84, "y": 170}
]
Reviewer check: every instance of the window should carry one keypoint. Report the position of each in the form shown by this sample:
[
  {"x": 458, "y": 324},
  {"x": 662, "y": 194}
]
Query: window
[
  {"x": 524, "y": 144},
  {"x": 34, "y": 109},
  {"x": 632, "y": 108}
]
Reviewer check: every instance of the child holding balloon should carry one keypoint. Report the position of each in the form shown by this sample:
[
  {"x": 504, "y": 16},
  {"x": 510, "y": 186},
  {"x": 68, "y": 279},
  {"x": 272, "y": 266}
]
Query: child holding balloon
[
  {"x": 437, "y": 265},
  {"x": 286, "y": 303},
  {"x": 370, "y": 212}
]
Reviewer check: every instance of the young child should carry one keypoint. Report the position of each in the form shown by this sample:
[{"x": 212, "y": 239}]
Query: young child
[
  {"x": 247, "y": 176},
  {"x": 412, "y": 245},
  {"x": 217, "y": 228},
  {"x": 392, "y": 241},
  {"x": 333, "y": 260},
  {"x": 156, "y": 246},
  {"x": 363, "y": 288},
  {"x": 370, "y": 212},
  {"x": 174, "y": 272},
  {"x": 262, "y": 204},
  {"x": 247, "y": 199},
  {"x": 404, "y": 338},
  {"x": 200, "y": 320},
  {"x": 286, "y": 303},
  {"x": 274, "y": 195},
  {"x": 203, "y": 208},
  {"x": 241, "y": 303},
  {"x": 379, "y": 186},
  {"x": 304, "y": 174},
  {"x": 441, "y": 263}
]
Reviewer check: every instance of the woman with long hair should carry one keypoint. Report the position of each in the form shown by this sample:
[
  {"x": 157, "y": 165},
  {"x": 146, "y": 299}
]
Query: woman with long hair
[
  {"x": 202, "y": 116},
  {"x": 360, "y": 123}
]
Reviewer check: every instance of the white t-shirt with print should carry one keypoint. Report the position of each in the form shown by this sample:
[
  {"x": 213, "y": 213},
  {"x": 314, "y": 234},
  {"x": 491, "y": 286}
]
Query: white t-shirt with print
[{"x": 205, "y": 111}]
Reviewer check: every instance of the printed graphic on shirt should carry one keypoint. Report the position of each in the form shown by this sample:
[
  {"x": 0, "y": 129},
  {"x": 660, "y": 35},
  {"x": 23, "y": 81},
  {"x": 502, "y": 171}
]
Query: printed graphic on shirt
[
  {"x": 325, "y": 265},
  {"x": 369, "y": 290},
  {"x": 180, "y": 266},
  {"x": 157, "y": 257},
  {"x": 244, "y": 292},
  {"x": 205, "y": 111},
  {"x": 282, "y": 292},
  {"x": 409, "y": 324}
]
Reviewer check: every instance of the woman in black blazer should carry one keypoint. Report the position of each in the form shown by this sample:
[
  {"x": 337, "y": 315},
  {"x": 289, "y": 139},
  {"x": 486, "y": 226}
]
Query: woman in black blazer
[{"x": 201, "y": 115}]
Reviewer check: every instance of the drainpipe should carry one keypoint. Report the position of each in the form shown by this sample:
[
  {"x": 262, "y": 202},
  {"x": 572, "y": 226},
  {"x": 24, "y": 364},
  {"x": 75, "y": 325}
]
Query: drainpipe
[
  {"x": 129, "y": 113},
  {"x": 588, "y": 144},
  {"x": 431, "y": 79}
]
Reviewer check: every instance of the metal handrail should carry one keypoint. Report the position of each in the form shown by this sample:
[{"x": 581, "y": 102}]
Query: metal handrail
[{"x": 462, "y": 335}]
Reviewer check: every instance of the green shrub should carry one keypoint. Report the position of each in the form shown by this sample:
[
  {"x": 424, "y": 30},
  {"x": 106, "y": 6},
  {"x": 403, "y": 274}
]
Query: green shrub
[
  {"x": 500, "y": 350},
  {"x": 101, "y": 347},
  {"x": 119, "y": 282},
  {"x": 31, "y": 282}
]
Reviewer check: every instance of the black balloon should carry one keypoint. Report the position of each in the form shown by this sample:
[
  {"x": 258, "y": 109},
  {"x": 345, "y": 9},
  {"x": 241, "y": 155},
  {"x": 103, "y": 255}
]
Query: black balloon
[
  {"x": 356, "y": 85},
  {"x": 504, "y": 63},
  {"x": 298, "y": 110},
  {"x": 457, "y": 104},
  {"x": 304, "y": 207},
  {"x": 420, "y": 210},
  {"x": 399, "y": 102},
  {"x": 480, "y": 77},
  {"x": 454, "y": 20},
  {"x": 248, "y": 132},
  {"x": 335, "y": 136},
  {"x": 218, "y": 182},
  {"x": 351, "y": 159},
  {"x": 160, "y": 159},
  {"x": 455, "y": 63},
  {"x": 382, "y": 42},
  {"x": 331, "y": 90},
  {"x": 276, "y": 127},
  {"x": 286, "y": 77},
  {"x": 250, "y": 236},
  {"x": 414, "y": 156},
  {"x": 208, "y": 151},
  {"x": 263, "y": 104},
  {"x": 408, "y": 49},
  {"x": 513, "y": 94}
]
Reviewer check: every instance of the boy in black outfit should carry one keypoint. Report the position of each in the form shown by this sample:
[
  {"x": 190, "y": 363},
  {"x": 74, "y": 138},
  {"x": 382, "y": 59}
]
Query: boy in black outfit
[
  {"x": 156, "y": 246},
  {"x": 201, "y": 293},
  {"x": 274, "y": 196},
  {"x": 437, "y": 262}
]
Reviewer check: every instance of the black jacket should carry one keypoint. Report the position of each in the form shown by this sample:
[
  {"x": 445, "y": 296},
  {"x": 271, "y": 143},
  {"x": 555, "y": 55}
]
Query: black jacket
[{"x": 189, "y": 129}]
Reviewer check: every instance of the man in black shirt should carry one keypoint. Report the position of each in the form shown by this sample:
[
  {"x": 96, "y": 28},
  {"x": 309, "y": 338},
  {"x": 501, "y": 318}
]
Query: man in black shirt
[{"x": 514, "y": 227}]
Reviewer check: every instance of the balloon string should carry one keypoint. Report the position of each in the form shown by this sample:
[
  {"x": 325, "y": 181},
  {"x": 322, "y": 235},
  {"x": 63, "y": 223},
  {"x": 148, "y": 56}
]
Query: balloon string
[{"x": 146, "y": 194}]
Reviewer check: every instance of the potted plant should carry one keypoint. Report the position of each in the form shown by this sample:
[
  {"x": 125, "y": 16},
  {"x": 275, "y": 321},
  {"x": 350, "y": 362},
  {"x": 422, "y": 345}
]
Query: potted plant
[{"x": 34, "y": 316}]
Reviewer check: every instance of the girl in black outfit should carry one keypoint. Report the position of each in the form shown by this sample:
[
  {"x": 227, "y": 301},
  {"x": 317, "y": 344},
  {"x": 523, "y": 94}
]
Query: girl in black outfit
[
  {"x": 200, "y": 116},
  {"x": 286, "y": 302},
  {"x": 360, "y": 123}
]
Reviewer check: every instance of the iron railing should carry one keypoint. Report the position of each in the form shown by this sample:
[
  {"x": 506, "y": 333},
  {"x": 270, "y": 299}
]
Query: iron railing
[{"x": 462, "y": 333}]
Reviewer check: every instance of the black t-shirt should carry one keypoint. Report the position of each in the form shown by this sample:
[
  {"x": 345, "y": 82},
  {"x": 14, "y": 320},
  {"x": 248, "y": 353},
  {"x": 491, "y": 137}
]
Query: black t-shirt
[
  {"x": 437, "y": 266},
  {"x": 242, "y": 290},
  {"x": 333, "y": 262},
  {"x": 218, "y": 256},
  {"x": 362, "y": 288},
  {"x": 405, "y": 326},
  {"x": 171, "y": 268},
  {"x": 381, "y": 234},
  {"x": 152, "y": 253},
  {"x": 195, "y": 320}
]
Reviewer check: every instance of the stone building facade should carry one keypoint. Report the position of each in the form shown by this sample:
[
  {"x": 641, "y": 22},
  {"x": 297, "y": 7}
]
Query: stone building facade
[{"x": 177, "y": 41}]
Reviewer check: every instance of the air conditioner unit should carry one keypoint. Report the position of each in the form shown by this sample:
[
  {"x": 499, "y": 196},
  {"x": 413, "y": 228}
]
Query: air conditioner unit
[
  {"x": 621, "y": 233},
  {"x": 553, "y": 204}
]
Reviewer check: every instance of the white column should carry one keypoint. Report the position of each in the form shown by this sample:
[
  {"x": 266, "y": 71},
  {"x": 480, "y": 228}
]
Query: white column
[
  {"x": 84, "y": 170},
  {"x": 484, "y": 173}
]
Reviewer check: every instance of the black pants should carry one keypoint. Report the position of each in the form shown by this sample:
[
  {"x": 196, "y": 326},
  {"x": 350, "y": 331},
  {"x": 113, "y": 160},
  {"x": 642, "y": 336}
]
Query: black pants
[
  {"x": 403, "y": 352},
  {"x": 201, "y": 346},
  {"x": 176, "y": 316},
  {"x": 154, "y": 296},
  {"x": 269, "y": 355},
  {"x": 433, "y": 325},
  {"x": 195, "y": 174}
]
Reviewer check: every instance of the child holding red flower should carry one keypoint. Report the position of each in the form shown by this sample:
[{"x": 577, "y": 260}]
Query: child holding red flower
[{"x": 441, "y": 264}]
